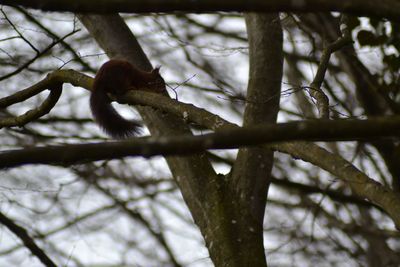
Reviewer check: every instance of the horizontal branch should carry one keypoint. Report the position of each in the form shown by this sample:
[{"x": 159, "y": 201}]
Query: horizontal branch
[
  {"x": 317, "y": 130},
  {"x": 53, "y": 82},
  {"x": 227, "y": 135},
  {"x": 378, "y": 8},
  {"x": 59, "y": 76}
]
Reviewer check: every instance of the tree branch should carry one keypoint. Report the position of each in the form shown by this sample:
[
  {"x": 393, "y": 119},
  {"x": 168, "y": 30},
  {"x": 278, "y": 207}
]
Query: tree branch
[
  {"x": 359, "y": 182},
  {"x": 27, "y": 240},
  {"x": 318, "y": 130},
  {"x": 38, "y": 55},
  {"x": 33, "y": 114},
  {"x": 315, "y": 86},
  {"x": 377, "y": 8},
  {"x": 59, "y": 76},
  {"x": 53, "y": 82}
]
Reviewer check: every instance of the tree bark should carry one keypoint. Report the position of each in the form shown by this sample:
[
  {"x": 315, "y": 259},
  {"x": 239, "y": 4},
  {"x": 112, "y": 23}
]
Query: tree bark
[{"x": 228, "y": 211}]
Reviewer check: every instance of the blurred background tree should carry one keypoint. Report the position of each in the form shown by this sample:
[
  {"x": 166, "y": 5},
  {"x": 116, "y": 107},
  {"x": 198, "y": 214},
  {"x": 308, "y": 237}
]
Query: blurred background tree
[{"x": 130, "y": 212}]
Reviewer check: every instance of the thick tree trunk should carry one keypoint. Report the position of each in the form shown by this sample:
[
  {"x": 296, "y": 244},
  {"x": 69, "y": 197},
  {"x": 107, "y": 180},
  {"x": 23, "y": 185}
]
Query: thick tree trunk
[{"x": 228, "y": 210}]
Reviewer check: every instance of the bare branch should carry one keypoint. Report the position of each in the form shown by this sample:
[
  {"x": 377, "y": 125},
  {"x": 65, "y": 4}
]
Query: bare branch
[
  {"x": 315, "y": 86},
  {"x": 378, "y": 8},
  {"x": 38, "y": 55},
  {"x": 318, "y": 130},
  {"x": 33, "y": 114},
  {"x": 18, "y": 32},
  {"x": 51, "y": 33},
  {"x": 53, "y": 82},
  {"x": 59, "y": 76},
  {"x": 358, "y": 181},
  {"x": 27, "y": 240}
]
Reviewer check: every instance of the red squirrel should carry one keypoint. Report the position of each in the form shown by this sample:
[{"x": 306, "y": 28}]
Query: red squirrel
[{"x": 117, "y": 77}]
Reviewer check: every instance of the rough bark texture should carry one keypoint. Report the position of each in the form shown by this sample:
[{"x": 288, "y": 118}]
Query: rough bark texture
[
  {"x": 251, "y": 173},
  {"x": 228, "y": 212},
  {"x": 193, "y": 174}
]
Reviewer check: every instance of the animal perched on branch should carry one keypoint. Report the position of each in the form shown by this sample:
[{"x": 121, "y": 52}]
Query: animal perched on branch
[{"x": 117, "y": 77}]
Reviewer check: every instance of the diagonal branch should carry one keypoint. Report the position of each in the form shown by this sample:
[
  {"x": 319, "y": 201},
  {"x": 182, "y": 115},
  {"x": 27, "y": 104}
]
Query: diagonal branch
[
  {"x": 54, "y": 35},
  {"x": 27, "y": 240},
  {"x": 359, "y": 182},
  {"x": 316, "y": 92},
  {"x": 137, "y": 216},
  {"x": 38, "y": 55}
]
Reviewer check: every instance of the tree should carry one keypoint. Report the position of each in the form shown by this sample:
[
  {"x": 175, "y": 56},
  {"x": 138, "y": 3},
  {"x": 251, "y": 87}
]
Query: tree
[{"x": 328, "y": 204}]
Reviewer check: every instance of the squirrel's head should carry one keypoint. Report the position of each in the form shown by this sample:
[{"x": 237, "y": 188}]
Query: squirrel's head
[
  {"x": 156, "y": 70},
  {"x": 157, "y": 82}
]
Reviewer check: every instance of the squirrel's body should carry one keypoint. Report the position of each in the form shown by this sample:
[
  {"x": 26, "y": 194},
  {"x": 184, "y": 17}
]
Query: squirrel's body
[{"x": 117, "y": 77}]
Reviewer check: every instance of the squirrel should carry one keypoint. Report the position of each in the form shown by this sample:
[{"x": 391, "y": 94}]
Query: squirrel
[{"x": 117, "y": 77}]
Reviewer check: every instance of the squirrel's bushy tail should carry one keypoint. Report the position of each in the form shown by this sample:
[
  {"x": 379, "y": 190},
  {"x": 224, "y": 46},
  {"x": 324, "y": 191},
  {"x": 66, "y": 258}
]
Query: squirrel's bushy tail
[{"x": 108, "y": 118}]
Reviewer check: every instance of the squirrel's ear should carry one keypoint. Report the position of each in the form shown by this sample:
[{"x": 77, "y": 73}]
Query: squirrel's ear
[{"x": 156, "y": 69}]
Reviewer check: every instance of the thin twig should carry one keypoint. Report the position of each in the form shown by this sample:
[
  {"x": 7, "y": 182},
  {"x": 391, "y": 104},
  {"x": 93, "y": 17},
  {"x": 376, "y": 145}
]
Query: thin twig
[
  {"x": 18, "y": 32},
  {"x": 53, "y": 35},
  {"x": 43, "y": 52},
  {"x": 316, "y": 92}
]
